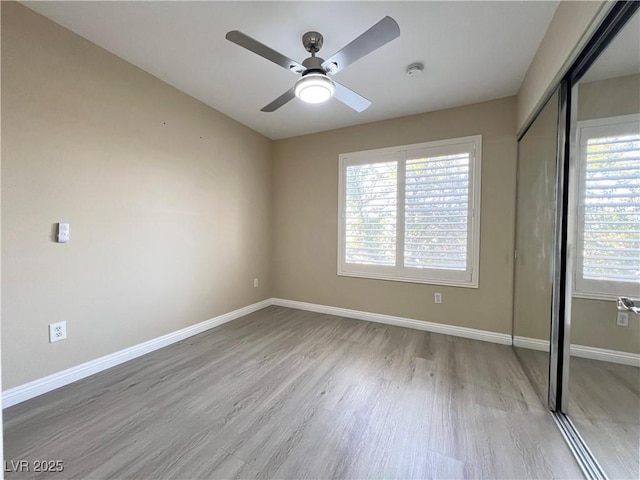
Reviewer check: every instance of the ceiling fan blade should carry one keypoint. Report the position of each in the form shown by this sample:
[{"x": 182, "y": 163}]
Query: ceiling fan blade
[
  {"x": 350, "y": 98},
  {"x": 258, "y": 48},
  {"x": 280, "y": 101},
  {"x": 380, "y": 34}
]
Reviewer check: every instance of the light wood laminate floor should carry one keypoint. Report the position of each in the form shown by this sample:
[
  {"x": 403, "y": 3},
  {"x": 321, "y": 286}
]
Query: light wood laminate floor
[
  {"x": 604, "y": 405},
  {"x": 284, "y": 393}
]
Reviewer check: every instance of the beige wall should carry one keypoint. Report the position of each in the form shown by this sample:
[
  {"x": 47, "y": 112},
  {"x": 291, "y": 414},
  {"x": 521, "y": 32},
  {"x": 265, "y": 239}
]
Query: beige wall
[
  {"x": 609, "y": 98},
  {"x": 168, "y": 201},
  {"x": 305, "y": 196},
  {"x": 593, "y": 322},
  {"x": 562, "y": 41}
]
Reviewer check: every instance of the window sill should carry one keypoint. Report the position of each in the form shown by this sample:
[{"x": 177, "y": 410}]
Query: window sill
[
  {"x": 427, "y": 281},
  {"x": 595, "y": 296}
]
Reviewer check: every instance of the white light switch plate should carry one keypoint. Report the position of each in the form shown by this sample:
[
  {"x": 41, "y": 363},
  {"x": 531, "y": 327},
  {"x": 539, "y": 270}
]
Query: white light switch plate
[{"x": 63, "y": 233}]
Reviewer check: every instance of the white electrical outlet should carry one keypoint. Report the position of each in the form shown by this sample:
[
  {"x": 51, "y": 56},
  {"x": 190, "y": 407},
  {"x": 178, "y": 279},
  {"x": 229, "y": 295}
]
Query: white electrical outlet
[
  {"x": 437, "y": 298},
  {"x": 57, "y": 331},
  {"x": 623, "y": 319},
  {"x": 255, "y": 283}
]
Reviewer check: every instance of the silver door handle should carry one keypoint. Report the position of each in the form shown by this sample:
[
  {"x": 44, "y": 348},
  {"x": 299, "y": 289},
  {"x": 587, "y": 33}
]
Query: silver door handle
[{"x": 626, "y": 303}]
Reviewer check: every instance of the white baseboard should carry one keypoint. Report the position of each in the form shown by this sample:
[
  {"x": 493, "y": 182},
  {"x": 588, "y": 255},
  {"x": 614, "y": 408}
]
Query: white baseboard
[
  {"x": 605, "y": 355},
  {"x": 46, "y": 384},
  {"x": 32, "y": 389},
  {"x": 582, "y": 351},
  {"x": 484, "y": 335},
  {"x": 531, "y": 343}
]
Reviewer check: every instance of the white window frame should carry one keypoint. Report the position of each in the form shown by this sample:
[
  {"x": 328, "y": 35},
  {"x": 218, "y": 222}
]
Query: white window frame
[
  {"x": 589, "y": 288},
  {"x": 457, "y": 278}
]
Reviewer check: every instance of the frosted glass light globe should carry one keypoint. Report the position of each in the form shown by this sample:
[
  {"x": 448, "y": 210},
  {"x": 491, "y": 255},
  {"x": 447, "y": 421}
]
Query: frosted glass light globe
[{"x": 314, "y": 88}]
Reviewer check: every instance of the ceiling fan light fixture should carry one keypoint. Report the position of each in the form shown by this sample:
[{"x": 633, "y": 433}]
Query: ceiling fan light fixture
[{"x": 314, "y": 88}]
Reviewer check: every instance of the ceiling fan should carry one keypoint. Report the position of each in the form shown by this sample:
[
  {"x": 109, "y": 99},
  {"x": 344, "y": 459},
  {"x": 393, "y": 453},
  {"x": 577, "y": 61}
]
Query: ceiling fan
[{"x": 315, "y": 86}]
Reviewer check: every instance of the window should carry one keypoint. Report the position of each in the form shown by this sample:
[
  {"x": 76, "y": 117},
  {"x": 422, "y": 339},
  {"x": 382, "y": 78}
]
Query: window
[
  {"x": 412, "y": 213},
  {"x": 608, "y": 226}
]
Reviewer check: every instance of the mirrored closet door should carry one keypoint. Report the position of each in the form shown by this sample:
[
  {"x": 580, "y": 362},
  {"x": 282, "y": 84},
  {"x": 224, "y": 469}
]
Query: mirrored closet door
[
  {"x": 534, "y": 241},
  {"x": 604, "y": 238},
  {"x": 576, "y": 304}
]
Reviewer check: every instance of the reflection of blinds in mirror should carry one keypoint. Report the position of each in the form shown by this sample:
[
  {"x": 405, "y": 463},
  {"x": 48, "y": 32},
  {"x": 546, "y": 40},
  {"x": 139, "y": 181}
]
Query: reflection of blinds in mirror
[{"x": 611, "y": 196}]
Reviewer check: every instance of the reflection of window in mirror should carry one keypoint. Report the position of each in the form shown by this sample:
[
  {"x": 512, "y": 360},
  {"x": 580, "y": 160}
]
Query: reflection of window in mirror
[
  {"x": 607, "y": 228},
  {"x": 608, "y": 223}
]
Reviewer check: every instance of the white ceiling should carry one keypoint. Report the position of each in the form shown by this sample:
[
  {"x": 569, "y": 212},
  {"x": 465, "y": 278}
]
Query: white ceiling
[{"x": 472, "y": 52}]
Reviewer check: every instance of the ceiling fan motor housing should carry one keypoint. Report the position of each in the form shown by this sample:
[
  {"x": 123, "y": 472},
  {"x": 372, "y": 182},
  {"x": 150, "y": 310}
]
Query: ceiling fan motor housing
[
  {"x": 312, "y": 41},
  {"x": 313, "y": 65}
]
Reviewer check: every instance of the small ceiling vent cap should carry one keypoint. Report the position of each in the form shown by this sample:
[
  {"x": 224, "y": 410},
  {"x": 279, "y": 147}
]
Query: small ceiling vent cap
[{"x": 415, "y": 69}]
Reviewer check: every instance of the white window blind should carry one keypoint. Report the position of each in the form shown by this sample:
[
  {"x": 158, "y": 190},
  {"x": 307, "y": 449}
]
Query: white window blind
[
  {"x": 437, "y": 212},
  {"x": 371, "y": 214},
  {"x": 608, "y": 227},
  {"x": 412, "y": 213}
]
